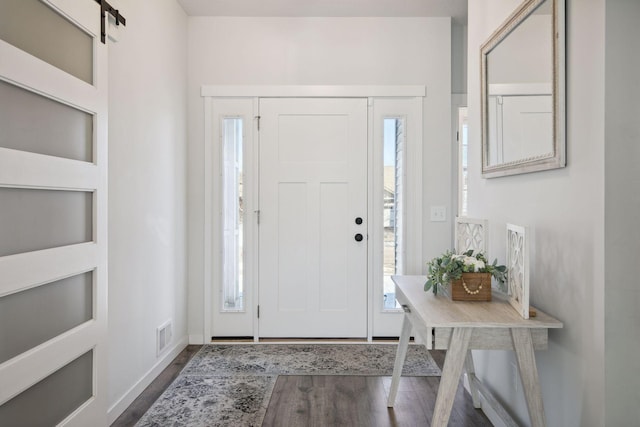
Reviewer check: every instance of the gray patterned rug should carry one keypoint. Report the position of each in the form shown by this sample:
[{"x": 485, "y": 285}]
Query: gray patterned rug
[{"x": 231, "y": 384}]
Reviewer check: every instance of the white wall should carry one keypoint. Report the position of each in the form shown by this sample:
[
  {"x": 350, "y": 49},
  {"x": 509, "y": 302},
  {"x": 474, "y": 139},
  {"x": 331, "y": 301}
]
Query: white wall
[
  {"x": 321, "y": 51},
  {"x": 622, "y": 238},
  {"x": 565, "y": 212},
  {"x": 147, "y": 193}
]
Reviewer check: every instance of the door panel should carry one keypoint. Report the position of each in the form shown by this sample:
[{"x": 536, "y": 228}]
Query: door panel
[
  {"x": 313, "y": 184},
  {"x": 333, "y": 266}
]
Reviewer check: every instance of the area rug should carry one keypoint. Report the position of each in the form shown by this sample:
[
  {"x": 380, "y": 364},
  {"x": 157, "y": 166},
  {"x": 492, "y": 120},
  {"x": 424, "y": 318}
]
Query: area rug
[{"x": 231, "y": 384}]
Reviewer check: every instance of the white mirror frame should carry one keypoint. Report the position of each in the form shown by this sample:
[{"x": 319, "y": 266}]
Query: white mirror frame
[{"x": 557, "y": 158}]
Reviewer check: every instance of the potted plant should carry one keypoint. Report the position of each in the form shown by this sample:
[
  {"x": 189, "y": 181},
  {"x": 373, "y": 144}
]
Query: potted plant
[{"x": 464, "y": 277}]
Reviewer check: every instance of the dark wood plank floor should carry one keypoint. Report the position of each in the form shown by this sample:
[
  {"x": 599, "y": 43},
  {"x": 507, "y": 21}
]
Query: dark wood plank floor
[
  {"x": 362, "y": 401},
  {"x": 325, "y": 401},
  {"x": 136, "y": 410}
]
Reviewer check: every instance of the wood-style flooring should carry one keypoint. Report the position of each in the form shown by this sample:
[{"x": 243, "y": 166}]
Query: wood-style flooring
[
  {"x": 136, "y": 410},
  {"x": 305, "y": 400}
]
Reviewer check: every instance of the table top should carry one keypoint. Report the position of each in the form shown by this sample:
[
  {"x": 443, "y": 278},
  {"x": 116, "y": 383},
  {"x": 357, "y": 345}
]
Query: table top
[{"x": 439, "y": 311}]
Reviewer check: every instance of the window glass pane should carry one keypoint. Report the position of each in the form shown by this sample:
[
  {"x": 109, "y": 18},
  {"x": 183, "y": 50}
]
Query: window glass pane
[
  {"x": 37, "y": 29},
  {"x": 54, "y": 398},
  {"x": 34, "y": 123},
  {"x": 232, "y": 215},
  {"x": 393, "y": 200},
  {"x": 32, "y": 220},
  {"x": 60, "y": 306},
  {"x": 464, "y": 164}
]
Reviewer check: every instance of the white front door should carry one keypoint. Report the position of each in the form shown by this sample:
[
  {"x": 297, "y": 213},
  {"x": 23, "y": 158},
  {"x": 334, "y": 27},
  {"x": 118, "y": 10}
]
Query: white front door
[{"x": 313, "y": 218}]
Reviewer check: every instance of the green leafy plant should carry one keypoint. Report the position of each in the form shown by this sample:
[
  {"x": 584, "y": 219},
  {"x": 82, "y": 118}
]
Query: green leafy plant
[{"x": 450, "y": 266}]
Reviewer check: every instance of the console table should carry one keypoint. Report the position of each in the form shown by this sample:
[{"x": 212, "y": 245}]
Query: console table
[{"x": 459, "y": 327}]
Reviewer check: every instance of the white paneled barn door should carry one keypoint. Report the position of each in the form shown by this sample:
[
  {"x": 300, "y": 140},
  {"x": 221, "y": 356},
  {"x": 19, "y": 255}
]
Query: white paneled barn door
[{"x": 53, "y": 207}]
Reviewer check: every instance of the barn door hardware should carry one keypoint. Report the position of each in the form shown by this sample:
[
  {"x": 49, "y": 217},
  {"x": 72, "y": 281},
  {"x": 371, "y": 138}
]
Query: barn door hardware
[{"x": 104, "y": 9}]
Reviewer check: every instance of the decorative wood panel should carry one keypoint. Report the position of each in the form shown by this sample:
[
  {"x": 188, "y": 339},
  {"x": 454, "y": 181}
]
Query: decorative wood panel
[
  {"x": 471, "y": 233},
  {"x": 518, "y": 269}
]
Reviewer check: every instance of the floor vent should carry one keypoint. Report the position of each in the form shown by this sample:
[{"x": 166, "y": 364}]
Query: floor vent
[{"x": 163, "y": 337}]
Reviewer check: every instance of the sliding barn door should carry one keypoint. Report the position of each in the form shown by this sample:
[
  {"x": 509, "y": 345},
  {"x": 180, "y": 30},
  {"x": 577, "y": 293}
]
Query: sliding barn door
[{"x": 53, "y": 205}]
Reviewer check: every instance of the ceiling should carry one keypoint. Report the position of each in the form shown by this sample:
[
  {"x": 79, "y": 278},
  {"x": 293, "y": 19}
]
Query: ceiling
[{"x": 457, "y": 9}]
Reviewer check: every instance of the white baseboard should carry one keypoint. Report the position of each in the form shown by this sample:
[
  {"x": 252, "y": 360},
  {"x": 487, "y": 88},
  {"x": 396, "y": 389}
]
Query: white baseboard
[
  {"x": 123, "y": 403},
  {"x": 196, "y": 339},
  {"x": 486, "y": 408}
]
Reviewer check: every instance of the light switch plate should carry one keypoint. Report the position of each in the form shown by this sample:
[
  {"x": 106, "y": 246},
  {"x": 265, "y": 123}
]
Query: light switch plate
[{"x": 438, "y": 213}]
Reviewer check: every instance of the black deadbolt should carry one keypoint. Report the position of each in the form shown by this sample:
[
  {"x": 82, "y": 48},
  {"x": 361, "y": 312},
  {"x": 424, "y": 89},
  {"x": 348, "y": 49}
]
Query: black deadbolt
[
  {"x": 358, "y": 220},
  {"x": 358, "y": 237}
]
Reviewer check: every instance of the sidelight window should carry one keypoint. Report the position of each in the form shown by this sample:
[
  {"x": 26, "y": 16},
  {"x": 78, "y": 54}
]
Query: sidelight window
[
  {"x": 463, "y": 163},
  {"x": 232, "y": 215},
  {"x": 393, "y": 205}
]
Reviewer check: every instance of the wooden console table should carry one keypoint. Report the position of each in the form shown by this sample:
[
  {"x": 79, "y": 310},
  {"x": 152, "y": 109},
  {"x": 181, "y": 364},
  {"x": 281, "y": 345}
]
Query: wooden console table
[{"x": 459, "y": 327}]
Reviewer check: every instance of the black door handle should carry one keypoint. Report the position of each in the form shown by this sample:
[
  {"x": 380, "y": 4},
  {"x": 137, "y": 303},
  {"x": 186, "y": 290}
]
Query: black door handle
[
  {"x": 358, "y": 220},
  {"x": 358, "y": 237}
]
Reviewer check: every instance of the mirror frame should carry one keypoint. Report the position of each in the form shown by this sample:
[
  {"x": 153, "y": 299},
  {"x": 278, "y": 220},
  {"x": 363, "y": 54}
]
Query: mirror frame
[{"x": 557, "y": 158}]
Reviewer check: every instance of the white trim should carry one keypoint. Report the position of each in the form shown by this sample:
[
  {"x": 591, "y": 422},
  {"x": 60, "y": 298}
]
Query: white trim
[
  {"x": 308, "y": 91},
  {"x": 413, "y": 262},
  {"x": 196, "y": 339},
  {"x": 485, "y": 406},
  {"x": 24, "y": 70},
  {"x": 414, "y": 182},
  {"x": 255, "y": 202},
  {"x": 207, "y": 241},
  {"x": 25, "y": 169},
  {"x": 371, "y": 211},
  {"x": 28, "y": 368},
  {"x": 130, "y": 395},
  {"x": 19, "y": 274}
]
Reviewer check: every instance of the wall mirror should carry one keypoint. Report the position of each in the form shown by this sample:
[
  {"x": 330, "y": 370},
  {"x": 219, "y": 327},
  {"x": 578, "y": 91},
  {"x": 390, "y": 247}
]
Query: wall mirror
[{"x": 522, "y": 91}]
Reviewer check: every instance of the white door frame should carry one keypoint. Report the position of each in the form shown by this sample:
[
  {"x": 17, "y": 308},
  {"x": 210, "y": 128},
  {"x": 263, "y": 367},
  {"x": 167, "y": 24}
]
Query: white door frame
[{"x": 208, "y": 92}]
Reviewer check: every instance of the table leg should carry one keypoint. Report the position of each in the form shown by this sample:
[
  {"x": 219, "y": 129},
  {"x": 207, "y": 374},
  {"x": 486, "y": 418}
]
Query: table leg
[
  {"x": 523, "y": 346},
  {"x": 400, "y": 356},
  {"x": 471, "y": 373},
  {"x": 453, "y": 364}
]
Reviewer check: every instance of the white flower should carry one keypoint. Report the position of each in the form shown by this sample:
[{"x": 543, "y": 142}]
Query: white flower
[
  {"x": 478, "y": 265},
  {"x": 470, "y": 261}
]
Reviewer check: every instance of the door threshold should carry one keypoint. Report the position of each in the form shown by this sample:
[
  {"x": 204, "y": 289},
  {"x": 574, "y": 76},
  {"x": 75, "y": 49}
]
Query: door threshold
[
  {"x": 272, "y": 340},
  {"x": 249, "y": 340}
]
